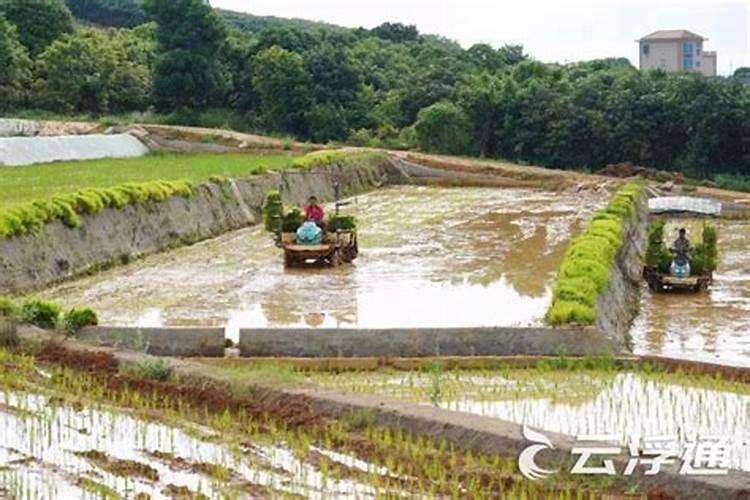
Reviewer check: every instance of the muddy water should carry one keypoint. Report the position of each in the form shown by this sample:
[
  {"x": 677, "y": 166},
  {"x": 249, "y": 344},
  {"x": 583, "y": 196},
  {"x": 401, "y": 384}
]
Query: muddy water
[
  {"x": 47, "y": 448},
  {"x": 429, "y": 257},
  {"x": 625, "y": 407},
  {"x": 713, "y": 326}
]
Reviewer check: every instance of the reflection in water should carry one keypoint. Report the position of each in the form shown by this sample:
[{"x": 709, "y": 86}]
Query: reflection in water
[
  {"x": 40, "y": 457},
  {"x": 429, "y": 257},
  {"x": 627, "y": 406},
  {"x": 634, "y": 408},
  {"x": 712, "y": 326}
]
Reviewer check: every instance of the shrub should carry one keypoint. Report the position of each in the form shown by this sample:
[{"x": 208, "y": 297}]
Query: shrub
[
  {"x": 363, "y": 138},
  {"x": 319, "y": 158},
  {"x": 217, "y": 179},
  {"x": 567, "y": 312},
  {"x": 77, "y": 318},
  {"x": 156, "y": 369},
  {"x": 342, "y": 222},
  {"x": 655, "y": 244},
  {"x": 733, "y": 182},
  {"x": 710, "y": 251},
  {"x": 29, "y": 218},
  {"x": 292, "y": 220},
  {"x": 273, "y": 211},
  {"x": 8, "y": 308},
  {"x": 40, "y": 313},
  {"x": 584, "y": 272}
]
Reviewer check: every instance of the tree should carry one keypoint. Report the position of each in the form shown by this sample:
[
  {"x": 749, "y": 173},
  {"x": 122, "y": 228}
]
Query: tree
[
  {"x": 742, "y": 73},
  {"x": 282, "y": 83},
  {"x": 485, "y": 57},
  {"x": 190, "y": 37},
  {"x": 512, "y": 54},
  {"x": 117, "y": 13},
  {"x": 443, "y": 128},
  {"x": 15, "y": 68},
  {"x": 480, "y": 96},
  {"x": 39, "y": 22},
  {"x": 94, "y": 71},
  {"x": 396, "y": 32},
  {"x": 72, "y": 74}
]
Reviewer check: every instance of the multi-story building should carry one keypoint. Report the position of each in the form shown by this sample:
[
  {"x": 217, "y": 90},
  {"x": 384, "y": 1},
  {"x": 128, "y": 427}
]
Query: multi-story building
[{"x": 676, "y": 51}]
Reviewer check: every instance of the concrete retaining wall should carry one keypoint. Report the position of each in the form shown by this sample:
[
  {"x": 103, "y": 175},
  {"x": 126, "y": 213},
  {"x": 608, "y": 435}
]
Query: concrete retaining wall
[
  {"x": 119, "y": 235},
  {"x": 422, "y": 342},
  {"x": 618, "y": 305},
  {"x": 178, "y": 342}
]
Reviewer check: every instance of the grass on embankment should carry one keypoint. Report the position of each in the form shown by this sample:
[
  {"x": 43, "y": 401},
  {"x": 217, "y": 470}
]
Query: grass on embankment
[
  {"x": 584, "y": 272},
  {"x": 37, "y": 182}
]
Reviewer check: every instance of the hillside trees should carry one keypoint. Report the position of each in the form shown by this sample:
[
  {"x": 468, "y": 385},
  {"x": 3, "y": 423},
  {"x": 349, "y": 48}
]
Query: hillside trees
[
  {"x": 188, "y": 73},
  {"x": 119, "y": 13},
  {"x": 335, "y": 88},
  {"x": 390, "y": 86},
  {"x": 481, "y": 96},
  {"x": 95, "y": 72},
  {"x": 39, "y": 22},
  {"x": 396, "y": 32},
  {"x": 282, "y": 83},
  {"x": 15, "y": 68},
  {"x": 444, "y": 128}
]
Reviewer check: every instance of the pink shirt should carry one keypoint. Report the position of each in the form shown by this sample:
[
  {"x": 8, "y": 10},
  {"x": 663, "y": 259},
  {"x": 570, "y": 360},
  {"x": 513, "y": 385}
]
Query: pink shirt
[{"x": 314, "y": 212}]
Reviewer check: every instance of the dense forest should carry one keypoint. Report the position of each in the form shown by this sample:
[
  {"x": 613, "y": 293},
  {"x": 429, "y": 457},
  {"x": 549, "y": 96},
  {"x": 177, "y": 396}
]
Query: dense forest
[{"x": 391, "y": 86}]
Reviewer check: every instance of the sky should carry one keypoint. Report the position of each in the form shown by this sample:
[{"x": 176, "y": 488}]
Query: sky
[{"x": 550, "y": 30}]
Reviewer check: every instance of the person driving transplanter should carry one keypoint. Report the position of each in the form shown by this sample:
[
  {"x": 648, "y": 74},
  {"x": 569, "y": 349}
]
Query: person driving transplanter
[{"x": 314, "y": 212}]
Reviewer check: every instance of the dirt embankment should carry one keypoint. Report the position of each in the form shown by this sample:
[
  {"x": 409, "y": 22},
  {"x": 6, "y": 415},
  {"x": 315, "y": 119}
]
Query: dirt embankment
[{"x": 507, "y": 174}]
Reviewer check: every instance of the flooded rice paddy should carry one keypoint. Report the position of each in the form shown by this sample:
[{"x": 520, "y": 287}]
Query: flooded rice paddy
[
  {"x": 428, "y": 257},
  {"x": 713, "y": 326},
  {"x": 58, "y": 451},
  {"x": 625, "y": 406},
  {"x": 96, "y": 434}
]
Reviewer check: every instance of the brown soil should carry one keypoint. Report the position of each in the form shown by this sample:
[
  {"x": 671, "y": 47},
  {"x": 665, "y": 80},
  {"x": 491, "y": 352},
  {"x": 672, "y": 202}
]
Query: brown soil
[
  {"x": 215, "y": 471},
  {"x": 182, "y": 493},
  {"x": 522, "y": 175},
  {"x": 626, "y": 170},
  {"x": 103, "y": 364},
  {"x": 179, "y": 463},
  {"x": 118, "y": 467}
]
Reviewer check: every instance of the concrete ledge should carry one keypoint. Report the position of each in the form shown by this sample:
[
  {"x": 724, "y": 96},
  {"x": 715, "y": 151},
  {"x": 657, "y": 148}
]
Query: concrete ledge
[
  {"x": 178, "y": 342},
  {"x": 404, "y": 343}
]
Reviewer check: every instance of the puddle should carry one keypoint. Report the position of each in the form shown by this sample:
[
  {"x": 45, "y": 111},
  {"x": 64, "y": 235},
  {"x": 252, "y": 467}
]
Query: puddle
[
  {"x": 51, "y": 451},
  {"x": 710, "y": 326},
  {"x": 429, "y": 257},
  {"x": 626, "y": 406}
]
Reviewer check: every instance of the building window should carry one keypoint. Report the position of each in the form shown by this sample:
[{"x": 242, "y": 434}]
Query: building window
[
  {"x": 697, "y": 64},
  {"x": 688, "y": 56},
  {"x": 646, "y": 49}
]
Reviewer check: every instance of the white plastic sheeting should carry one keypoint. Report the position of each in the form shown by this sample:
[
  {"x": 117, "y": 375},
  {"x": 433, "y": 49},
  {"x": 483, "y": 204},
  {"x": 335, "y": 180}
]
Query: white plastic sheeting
[
  {"x": 684, "y": 204},
  {"x": 30, "y": 150}
]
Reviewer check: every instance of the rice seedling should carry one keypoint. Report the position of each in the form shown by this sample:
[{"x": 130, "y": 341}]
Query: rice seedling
[{"x": 157, "y": 441}]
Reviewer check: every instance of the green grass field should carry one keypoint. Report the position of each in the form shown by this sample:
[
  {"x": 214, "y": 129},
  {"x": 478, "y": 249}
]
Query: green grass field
[{"x": 29, "y": 183}]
